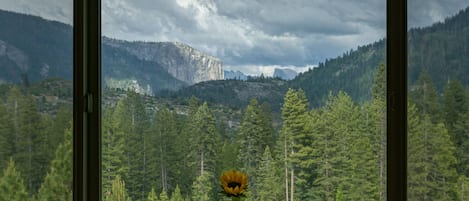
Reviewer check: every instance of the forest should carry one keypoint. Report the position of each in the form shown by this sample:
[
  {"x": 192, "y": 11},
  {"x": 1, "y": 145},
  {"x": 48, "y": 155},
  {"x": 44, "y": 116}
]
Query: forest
[{"x": 334, "y": 152}]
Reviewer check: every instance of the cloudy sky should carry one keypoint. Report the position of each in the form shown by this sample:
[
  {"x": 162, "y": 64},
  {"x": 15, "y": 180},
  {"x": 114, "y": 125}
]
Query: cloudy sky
[{"x": 250, "y": 35}]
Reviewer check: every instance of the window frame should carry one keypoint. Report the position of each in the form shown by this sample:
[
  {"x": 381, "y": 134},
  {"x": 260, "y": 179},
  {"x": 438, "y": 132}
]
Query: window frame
[{"x": 87, "y": 100}]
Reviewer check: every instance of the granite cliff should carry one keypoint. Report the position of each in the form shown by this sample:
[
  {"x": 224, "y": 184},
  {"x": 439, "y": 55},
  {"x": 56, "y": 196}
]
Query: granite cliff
[{"x": 180, "y": 60}]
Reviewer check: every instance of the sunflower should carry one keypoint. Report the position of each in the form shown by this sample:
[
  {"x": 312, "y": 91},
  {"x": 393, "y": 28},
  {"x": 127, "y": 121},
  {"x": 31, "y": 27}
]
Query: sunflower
[{"x": 234, "y": 183}]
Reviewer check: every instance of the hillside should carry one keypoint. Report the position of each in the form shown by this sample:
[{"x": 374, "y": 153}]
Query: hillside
[
  {"x": 441, "y": 49},
  {"x": 236, "y": 93},
  {"x": 33, "y": 49}
]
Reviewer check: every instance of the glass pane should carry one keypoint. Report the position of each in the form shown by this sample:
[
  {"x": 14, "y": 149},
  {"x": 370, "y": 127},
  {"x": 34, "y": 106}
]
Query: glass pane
[
  {"x": 438, "y": 104},
  {"x": 291, "y": 93},
  {"x": 36, "y": 65}
]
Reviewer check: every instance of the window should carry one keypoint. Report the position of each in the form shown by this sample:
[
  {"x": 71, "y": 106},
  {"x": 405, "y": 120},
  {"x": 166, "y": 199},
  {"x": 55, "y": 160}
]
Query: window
[
  {"x": 173, "y": 120},
  {"x": 36, "y": 99},
  {"x": 87, "y": 104},
  {"x": 438, "y": 132}
]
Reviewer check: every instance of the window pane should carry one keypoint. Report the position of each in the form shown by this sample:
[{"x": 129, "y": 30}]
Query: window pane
[
  {"x": 438, "y": 105},
  {"x": 291, "y": 93},
  {"x": 36, "y": 65}
]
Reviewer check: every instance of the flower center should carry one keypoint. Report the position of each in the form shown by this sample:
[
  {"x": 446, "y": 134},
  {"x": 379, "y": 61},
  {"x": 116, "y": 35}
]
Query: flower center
[{"x": 234, "y": 184}]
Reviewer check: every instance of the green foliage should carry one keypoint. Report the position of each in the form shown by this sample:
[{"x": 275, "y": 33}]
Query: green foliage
[
  {"x": 297, "y": 140},
  {"x": 254, "y": 135},
  {"x": 118, "y": 191},
  {"x": 235, "y": 93},
  {"x": 11, "y": 185},
  {"x": 202, "y": 187},
  {"x": 152, "y": 195},
  {"x": 432, "y": 172},
  {"x": 268, "y": 173},
  {"x": 57, "y": 185},
  {"x": 176, "y": 195},
  {"x": 163, "y": 148},
  {"x": 114, "y": 160},
  {"x": 6, "y": 137},
  {"x": 164, "y": 195}
]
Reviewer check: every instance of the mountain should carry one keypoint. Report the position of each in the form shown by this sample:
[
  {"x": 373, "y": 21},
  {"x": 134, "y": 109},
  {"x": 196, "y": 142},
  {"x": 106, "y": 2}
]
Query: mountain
[
  {"x": 234, "y": 75},
  {"x": 286, "y": 74},
  {"x": 180, "y": 60},
  {"x": 441, "y": 49},
  {"x": 33, "y": 49},
  {"x": 235, "y": 93}
]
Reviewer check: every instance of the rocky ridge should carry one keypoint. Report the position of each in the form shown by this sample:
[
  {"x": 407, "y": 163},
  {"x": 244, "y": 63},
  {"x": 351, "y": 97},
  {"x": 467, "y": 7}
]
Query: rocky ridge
[{"x": 180, "y": 60}]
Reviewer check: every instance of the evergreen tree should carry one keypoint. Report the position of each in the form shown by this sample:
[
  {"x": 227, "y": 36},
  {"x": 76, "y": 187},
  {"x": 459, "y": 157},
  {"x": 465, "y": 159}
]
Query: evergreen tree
[
  {"x": 29, "y": 154},
  {"x": 454, "y": 105},
  {"x": 118, "y": 191},
  {"x": 297, "y": 143},
  {"x": 463, "y": 188},
  {"x": 202, "y": 187},
  {"x": 161, "y": 138},
  {"x": 253, "y": 136},
  {"x": 11, "y": 185},
  {"x": 337, "y": 131},
  {"x": 424, "y": 94},
  {"x": 269, "y": 180},
  {"x": 204, "y": 140},
  {"x": 114, "y": 161},
  {"x": 136, "y": 147},
  {"x": 57, "y": 185},
  {"x": 432, "y": 161},
  {"x": 187, "y": 171},
  {"x": 176, "y": 195},
  {"x": 6, "y": 137},
  {"x": 152, "y": 196},
  {"x": 164, "y": 195},
  {"x": 375, "y": 129}
]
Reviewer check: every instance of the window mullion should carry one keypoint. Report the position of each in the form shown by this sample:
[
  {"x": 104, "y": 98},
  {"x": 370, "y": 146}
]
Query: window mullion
[
  {"x": 396, "y": 100},
  {"x": 87, "y": 100}
]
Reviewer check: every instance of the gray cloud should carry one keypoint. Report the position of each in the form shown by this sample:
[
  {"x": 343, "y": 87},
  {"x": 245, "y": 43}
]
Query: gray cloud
[{"x": 250, "y": 32}]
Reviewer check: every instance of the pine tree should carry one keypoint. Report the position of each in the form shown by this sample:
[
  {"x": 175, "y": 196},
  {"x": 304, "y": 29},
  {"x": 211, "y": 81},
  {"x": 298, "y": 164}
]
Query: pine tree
[
  {"x": 186, "y": 135},
  {"x": 57, "y": 185},
  {"x": 463, "y": 188},
  {"x": 418, "y": 164},
  {"x": 6, "y": 137},
  {"x": 152, "y": 196},
  {"x": 30, "y": 155},
  {"x": 269, "y": 180},
  {"x": 202, "y": 188},
  {"x": 338, "y": 130},
  {"x": 136, "y": 149},
  {"x": 11, "y": 185},
  {"x": 118, "y": 191},
  {"x": 161, "y": 138},
  {"x": 114, "y": 161},
  {"x": 176, "y": 195},
  {"x": 375, "y": 122},
  {"x": 432, "y": 161},
  {"x": 364, "y": 175},
  {"x": 425, "y": 97},
  {"x": 204, "y": 140},
  {"x": 253, "y": 136},
  {"x": 164, "y": 195},
  {"x": 297, "y": 143}
]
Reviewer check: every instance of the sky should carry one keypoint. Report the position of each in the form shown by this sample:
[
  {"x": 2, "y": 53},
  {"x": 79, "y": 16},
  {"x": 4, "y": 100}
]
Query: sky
[{"x": 253, "y": 36}]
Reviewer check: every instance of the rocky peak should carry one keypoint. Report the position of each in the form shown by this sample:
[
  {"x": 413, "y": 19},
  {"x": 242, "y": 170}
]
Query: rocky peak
[{"x": 180, "y": 60}]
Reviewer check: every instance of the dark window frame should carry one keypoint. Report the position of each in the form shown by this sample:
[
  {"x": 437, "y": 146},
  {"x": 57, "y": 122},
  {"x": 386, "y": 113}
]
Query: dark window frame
[{"x": 87, "y": 100}]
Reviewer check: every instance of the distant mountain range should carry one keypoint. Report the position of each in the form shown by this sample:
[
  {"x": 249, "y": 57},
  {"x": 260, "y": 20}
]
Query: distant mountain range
[
  {"x": 234, "y": 75},
  {"x": 286, "y": 74},
  {"x": 441, "y": 49},
  {"x": 32, "y": 49}
]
